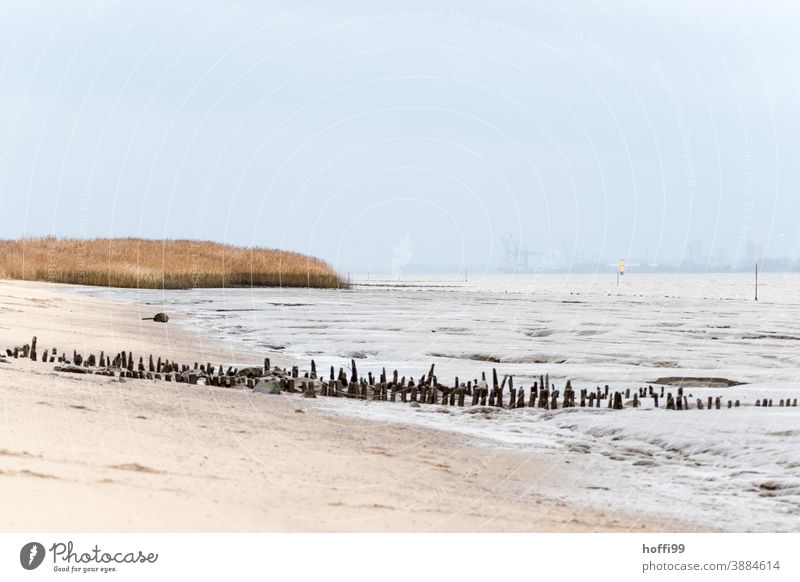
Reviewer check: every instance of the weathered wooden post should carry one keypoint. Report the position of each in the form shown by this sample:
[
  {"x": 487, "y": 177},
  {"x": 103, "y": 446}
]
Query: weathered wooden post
[{"x": 310, "y": 388}]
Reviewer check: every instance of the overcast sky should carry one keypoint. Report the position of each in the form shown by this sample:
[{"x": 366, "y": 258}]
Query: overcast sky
[{"x": 386, "y": 135}]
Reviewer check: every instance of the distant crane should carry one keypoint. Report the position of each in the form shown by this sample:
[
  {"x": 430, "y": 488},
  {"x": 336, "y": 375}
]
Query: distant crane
[{"x": 516, "y": 254}]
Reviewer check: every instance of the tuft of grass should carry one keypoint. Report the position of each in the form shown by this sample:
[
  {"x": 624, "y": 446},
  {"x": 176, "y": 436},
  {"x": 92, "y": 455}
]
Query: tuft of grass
[{"x": 160, "y": 264}]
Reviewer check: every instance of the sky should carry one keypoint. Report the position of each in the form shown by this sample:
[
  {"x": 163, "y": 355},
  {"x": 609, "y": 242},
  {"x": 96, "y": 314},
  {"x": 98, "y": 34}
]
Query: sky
[{"x": 397, "y": 136}]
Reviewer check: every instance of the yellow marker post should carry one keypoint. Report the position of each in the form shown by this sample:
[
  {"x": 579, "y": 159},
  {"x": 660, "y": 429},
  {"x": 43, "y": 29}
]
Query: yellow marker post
[{"x": 620, "y": 270}]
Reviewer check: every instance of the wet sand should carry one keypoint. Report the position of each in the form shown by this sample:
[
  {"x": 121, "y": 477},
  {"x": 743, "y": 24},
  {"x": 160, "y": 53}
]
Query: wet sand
[{"x": 87, "y": 453}]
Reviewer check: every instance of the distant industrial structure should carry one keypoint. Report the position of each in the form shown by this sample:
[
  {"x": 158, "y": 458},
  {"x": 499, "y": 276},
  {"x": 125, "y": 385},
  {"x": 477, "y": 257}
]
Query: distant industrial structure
[{"x": 516, "y": 260}]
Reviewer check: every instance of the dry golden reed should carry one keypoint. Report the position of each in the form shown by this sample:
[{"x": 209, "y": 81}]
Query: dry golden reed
[{"x": 160, "y": 264}]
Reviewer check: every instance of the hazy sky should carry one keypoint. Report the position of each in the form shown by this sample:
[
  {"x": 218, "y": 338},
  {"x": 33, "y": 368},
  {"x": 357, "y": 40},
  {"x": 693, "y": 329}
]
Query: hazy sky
[{"x": 387, "y": 135}]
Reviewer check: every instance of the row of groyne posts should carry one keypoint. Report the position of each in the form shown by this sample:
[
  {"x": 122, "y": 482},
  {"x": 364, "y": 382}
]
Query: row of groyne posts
[{"x": 427, "y": 390}]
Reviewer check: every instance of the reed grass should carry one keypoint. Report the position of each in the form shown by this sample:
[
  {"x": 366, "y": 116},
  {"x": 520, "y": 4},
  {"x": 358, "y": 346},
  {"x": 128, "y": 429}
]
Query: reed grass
[{"x": 160, "y": 264}]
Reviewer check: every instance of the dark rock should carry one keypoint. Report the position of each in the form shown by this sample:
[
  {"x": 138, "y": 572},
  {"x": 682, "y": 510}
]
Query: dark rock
[{"x": 161, "y": 317}]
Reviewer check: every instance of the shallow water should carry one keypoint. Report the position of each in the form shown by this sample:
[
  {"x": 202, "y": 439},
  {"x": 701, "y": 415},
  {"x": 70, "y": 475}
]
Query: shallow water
[{"x": 571, "y": 326}]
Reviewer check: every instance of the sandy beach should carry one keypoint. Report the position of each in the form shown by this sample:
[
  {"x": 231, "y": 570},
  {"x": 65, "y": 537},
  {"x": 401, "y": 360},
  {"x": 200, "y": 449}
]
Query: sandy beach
[{"x": 88, "y": 453}]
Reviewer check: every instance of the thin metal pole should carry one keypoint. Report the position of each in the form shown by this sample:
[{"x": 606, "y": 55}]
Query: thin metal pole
[
  {"x": 756, "y": 260},
  {"x": 756, "y": 280}
]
